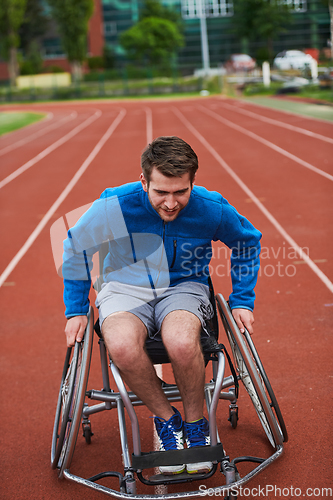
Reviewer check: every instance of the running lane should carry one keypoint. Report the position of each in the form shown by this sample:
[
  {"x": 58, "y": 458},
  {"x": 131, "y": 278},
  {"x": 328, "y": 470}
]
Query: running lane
[
  {"x": 313, "y": 152},
  {"x": 293, "y": 309},
  {"x": 32, "y": 190},
  {"x": 15, "y": 158}
]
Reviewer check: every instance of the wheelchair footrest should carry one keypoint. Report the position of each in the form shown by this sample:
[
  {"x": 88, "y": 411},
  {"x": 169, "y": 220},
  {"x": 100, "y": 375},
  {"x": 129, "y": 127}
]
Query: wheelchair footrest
[
  {"x": 178, "y": 457},
  {"x": 183, "y": 477}
]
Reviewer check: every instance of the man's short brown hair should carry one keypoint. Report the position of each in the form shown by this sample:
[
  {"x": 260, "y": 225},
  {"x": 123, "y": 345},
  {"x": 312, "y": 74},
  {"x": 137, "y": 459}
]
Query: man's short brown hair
[{"x": 171, "y": 156}]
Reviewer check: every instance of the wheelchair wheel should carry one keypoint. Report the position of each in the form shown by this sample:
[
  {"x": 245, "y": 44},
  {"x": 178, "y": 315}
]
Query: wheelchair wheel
[
  {"x": 273, "y": 401},
  {"x": 87, "y": 433},
  {"x": 71, "y": 399},
  {"x": 253, "y": 376}
]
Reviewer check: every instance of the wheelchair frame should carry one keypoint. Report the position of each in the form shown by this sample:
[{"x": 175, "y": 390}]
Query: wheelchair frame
[{"x": 246, "y": 366}]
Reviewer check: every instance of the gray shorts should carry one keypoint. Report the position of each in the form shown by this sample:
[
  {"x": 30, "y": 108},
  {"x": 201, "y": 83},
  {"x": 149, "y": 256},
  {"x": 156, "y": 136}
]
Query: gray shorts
[{"x": 189, "y": 296}]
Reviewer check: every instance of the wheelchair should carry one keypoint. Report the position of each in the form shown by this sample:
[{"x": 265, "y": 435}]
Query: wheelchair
[{"x": 245, "y": 366}]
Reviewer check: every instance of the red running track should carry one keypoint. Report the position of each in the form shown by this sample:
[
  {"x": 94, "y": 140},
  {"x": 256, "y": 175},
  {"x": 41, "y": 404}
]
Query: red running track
[{"x": 276, "y": 169}]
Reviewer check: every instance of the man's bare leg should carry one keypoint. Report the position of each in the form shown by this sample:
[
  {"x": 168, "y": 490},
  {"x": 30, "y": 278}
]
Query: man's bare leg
[
  {"x": 181, "y": 336},
  {"x": 125, "y": 335}
]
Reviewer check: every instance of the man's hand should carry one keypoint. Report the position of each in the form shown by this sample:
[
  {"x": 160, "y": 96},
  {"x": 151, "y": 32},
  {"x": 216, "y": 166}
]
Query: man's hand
[
  {"x": 75, "y": 328},
  {"x": 244, "y": 317}
]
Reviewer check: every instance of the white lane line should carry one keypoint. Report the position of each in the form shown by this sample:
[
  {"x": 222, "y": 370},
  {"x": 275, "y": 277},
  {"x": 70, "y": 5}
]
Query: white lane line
[
  {"x": 51, "y": 148},
  {"x": 278, "y": 123},
  {"x": 160, "y": 489},
  {"x": 39, "y": 133},
  {"x": 266, "y": 143},
  {"x": 149, "y": 125},
  {"x": 11, "y": 266},
  {"x": 284, "y": 110},
  {"x": 261, "y": 207}
]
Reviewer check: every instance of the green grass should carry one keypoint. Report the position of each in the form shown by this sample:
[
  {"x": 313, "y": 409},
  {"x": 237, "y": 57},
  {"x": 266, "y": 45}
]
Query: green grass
[
  {"x": 314, "y": 92},
  {"x": 10, "y": 121},
  {"x": 309, "y": 91}
]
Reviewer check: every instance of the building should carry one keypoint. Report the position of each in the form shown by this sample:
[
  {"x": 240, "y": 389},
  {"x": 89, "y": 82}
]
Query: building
[{"x": 310, "y": 30}]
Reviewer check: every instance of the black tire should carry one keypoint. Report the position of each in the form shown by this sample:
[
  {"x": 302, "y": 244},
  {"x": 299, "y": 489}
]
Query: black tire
[
  {"x": 233, "y": 419},
  {"x": 272, "y": 399},
  {"x": 71, "y": 399},
  {"x": 230, "y": 497},
  {"x": 251, "y": 372},
  {"x": 87, "y": 433},
  {"x": 64, "y": 404}
]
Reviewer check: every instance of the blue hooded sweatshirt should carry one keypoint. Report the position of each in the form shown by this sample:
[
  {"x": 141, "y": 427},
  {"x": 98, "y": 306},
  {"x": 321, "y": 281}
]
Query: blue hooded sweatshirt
[{"x": 148, "y": 252}]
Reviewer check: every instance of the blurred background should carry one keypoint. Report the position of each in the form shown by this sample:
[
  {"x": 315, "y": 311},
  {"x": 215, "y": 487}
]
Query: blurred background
[{"x": 58, "y": 49}]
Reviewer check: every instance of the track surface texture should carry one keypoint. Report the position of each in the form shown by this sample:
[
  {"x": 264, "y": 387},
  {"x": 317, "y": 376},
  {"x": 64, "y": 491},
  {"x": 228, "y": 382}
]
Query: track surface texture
[{"x": 276, "y": 168}]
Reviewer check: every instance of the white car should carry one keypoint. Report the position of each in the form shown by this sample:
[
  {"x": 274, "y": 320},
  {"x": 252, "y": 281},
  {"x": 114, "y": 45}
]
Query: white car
[
  {"x": 240, "y": 62},
  {"x": 292, "y": 59}
]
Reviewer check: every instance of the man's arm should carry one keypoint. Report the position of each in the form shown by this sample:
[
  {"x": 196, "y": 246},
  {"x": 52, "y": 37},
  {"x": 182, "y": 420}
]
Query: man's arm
[
  {"x": 75, "y": 329},
  {"x": 244, "y": 318},
  {"x": 244, "y": 241},
  {"x": 102, "y": 222}
]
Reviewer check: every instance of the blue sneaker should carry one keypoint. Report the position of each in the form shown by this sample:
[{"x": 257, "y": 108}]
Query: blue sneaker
[
  {"x": 170, "y": 436},
  {"x": 197, "y": 434}
]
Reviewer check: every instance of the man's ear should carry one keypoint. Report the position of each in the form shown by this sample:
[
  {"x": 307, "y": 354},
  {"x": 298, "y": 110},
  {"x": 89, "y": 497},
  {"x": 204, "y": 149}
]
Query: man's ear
[{"x": 144, "y": 182}]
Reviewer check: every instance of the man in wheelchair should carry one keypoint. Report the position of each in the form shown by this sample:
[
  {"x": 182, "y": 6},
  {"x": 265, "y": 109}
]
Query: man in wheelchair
[{"x": 155, "y": 282}]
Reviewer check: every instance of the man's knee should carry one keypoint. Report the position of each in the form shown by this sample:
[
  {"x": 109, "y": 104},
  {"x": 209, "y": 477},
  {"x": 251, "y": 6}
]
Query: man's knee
[
  {"x": 124, "y": 335},
  {"x": 181, "y": 335}
]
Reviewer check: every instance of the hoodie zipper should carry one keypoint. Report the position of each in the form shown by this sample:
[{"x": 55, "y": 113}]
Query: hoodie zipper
[
  {"x": 159, "y": 266},
  {"x": 174, "y": 253}
]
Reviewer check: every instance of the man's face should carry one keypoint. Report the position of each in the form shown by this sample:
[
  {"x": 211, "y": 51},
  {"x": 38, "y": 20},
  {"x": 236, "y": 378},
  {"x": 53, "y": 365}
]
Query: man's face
[{"x": 167, "y": 195}]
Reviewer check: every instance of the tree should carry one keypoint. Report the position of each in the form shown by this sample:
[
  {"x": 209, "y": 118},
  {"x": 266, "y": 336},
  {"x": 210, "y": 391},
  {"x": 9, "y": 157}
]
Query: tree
[
  {"x": 33, "y": 62},
  {"x": 11, "y": 18},
  {"x": 329, "y": 5},
  {"x": 34, "y": 25},
  {"x": 261, "y": 19},
  {"x": 157, "y": 35},
  {"x": 154, "y": 8},
  {"x": 153, "y": 39},
  {"x": 72, "y": 18},
  {"x": 330, "y": 8}
]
